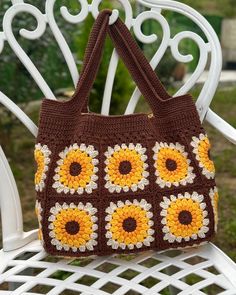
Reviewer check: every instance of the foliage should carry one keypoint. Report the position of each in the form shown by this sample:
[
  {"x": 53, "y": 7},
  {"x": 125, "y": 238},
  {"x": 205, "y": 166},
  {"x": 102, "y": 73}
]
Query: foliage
[
  {"x": 15, "y": 81},
  {"x": 225, "y": 8},
  {"x": 47, "y": 57}
]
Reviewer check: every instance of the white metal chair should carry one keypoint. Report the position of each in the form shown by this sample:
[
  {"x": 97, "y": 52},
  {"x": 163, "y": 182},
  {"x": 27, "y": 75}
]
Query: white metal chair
[{"x": 23, "y": 263}]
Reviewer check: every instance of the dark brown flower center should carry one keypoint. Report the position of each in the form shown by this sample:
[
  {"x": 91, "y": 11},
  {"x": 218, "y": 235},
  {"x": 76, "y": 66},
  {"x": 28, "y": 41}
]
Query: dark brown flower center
[
  {"x": 129, "y": 224},
  {"x": 125, "y": 167},
  {"x": 72, "y": 227},
  {"x": 185, "y": 217},
  {"x": 75, "y": 169},
  {"x": 171, "y": 165}
]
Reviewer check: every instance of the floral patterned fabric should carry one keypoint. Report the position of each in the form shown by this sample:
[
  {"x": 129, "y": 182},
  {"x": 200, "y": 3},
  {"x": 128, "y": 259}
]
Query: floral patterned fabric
[{"x": 122, "y": 184}]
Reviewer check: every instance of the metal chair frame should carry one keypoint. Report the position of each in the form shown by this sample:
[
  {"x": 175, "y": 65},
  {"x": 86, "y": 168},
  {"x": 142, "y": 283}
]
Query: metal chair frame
[{"x": 22, "y": 251}]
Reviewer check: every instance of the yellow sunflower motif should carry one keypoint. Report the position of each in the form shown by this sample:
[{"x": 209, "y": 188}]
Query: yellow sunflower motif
[
  {"x": 201, "y": 148},
  {"x": 42, "y": 158},
  {"x": 172, "y": 165},
  {"x": 39, "y": 211},
  {"x": 184, "y": 217},
  {"x": 129, "y": 224},
  {"x": 126, "y": 168},
  {"x": 76, "y": 170},
  {"x": 73, "y": 227},
  {"x": 214, "y": 195}
]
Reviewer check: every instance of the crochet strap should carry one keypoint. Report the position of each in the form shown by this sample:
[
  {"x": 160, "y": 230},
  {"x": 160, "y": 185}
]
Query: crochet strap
[{"x": 132, "y": 56}]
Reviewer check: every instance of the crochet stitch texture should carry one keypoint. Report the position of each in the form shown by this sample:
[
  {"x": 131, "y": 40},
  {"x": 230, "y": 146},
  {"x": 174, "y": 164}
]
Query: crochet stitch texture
[{"x": 120, "y": 184}]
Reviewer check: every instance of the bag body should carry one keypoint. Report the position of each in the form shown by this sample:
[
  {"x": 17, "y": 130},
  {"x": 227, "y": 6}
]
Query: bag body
[{"x": 120, "y": 184}]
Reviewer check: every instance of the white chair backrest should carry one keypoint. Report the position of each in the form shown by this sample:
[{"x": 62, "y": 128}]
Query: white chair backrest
[{"x": 210, "y": 52}]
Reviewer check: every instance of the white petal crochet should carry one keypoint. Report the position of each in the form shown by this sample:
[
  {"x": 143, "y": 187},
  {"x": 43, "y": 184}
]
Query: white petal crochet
[
  {"x": 184, "y": 218},
  {"x": 126, "y": 168},
  {"x": 172, "y": 165},
  {"x": 76, "y": 170}
]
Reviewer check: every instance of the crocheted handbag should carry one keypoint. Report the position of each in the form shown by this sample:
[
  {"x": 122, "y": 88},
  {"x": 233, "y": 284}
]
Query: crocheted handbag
[{"x": 120, "y": 184}]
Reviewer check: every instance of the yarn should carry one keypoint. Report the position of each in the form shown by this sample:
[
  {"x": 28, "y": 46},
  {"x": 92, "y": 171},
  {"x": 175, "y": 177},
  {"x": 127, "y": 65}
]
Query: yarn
[{"x": 122, "y": 184}]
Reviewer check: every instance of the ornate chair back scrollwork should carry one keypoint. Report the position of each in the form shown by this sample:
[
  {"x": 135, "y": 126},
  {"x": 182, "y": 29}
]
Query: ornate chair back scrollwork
[{"x": 16, "y": 241}]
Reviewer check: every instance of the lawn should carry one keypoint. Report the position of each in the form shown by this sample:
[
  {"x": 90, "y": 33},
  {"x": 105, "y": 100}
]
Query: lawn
[{"x": 20, "y": 155}]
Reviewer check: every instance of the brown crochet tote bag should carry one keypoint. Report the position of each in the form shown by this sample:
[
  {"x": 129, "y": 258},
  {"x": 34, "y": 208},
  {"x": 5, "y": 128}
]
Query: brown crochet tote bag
[{"x": 112, "y": 184}]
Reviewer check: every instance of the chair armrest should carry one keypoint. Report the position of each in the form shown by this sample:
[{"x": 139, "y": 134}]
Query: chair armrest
[{"x": 221, "y": 125}]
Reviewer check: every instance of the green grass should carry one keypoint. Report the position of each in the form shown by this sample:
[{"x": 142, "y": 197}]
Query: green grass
[{"x": 20, "y": 156}]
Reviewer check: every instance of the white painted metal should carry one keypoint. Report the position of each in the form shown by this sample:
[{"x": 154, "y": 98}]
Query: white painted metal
[
  {"x": 226, "y": 129},
  {"x": 13, "y": 235},
  {"x": 114, "y": 58},
  {"x": 149, "y": 39},
  {"x": 12, "y": 226},
  {"x": 212, "y": 48},
  {"x": 59, "y": 37},
  {"x": 207, "y": 263},
  {"x": 37, "y": 33}
]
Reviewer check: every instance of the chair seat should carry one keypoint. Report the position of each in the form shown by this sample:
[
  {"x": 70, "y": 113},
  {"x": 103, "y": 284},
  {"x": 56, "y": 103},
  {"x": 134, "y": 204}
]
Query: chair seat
[{"x": 202, "y": 270}]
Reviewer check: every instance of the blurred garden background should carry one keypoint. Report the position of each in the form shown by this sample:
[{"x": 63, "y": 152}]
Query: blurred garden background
[{"x": 17, "y": 84}]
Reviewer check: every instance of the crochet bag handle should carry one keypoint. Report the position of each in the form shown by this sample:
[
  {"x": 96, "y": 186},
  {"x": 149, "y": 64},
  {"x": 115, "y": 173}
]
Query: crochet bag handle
[{"x": 132, "y": 56}]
